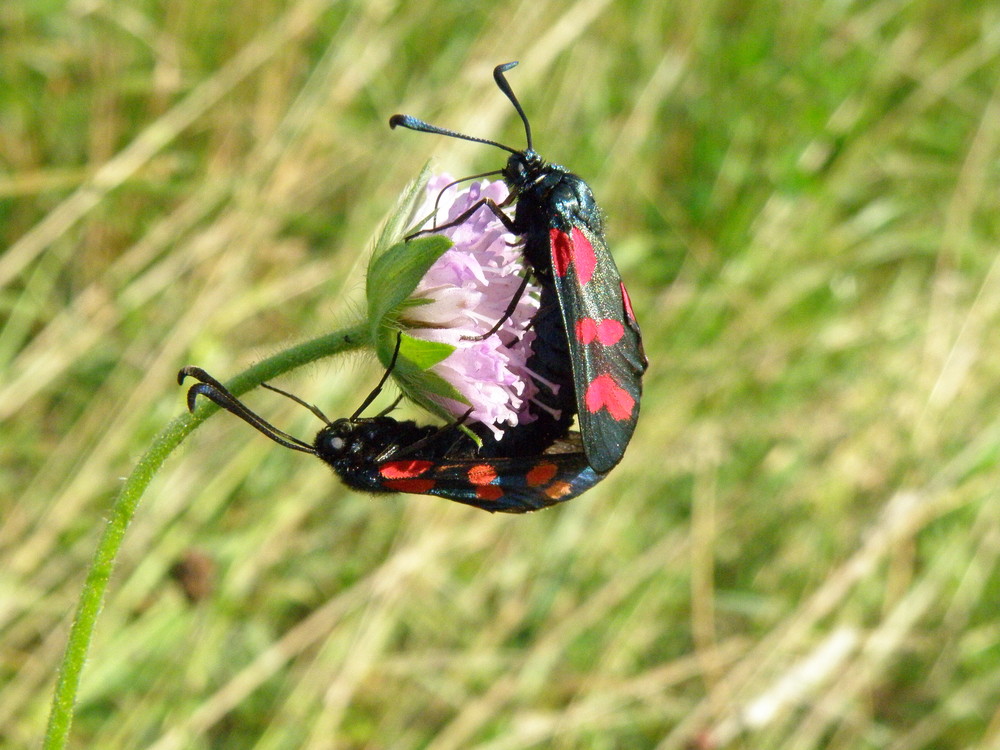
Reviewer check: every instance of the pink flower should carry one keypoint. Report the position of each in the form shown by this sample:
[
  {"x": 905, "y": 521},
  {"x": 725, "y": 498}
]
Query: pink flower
[{"x": 463, "y": 295}]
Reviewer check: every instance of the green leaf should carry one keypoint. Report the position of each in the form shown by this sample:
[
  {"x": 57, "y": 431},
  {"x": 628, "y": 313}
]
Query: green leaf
[
  {"x": 394, "y": 270},
  {"x": 393, "y": 275},
  {"x": 424, "y": 354},
  {"x": 412, "y": 371}
]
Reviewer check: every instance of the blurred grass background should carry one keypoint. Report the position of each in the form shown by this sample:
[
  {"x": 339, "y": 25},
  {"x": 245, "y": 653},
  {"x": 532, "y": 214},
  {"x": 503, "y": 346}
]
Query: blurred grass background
[{"x": 800, "y": 549}]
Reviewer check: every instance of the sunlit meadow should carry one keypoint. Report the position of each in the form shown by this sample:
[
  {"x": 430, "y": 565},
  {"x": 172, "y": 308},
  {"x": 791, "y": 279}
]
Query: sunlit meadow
[{"x": 800, "y": 547}]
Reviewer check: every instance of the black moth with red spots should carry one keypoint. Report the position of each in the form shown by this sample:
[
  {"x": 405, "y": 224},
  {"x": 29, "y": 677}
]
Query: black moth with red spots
[
  {"x": 563, "y": 234},
  {"x": 590, "y": 351},
  {"x": 375, "y": 455},
  {"x": 383, "y": 455}
]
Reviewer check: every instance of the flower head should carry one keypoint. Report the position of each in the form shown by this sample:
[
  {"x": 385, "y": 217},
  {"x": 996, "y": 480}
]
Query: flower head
[{"x": 464, "y": 293}]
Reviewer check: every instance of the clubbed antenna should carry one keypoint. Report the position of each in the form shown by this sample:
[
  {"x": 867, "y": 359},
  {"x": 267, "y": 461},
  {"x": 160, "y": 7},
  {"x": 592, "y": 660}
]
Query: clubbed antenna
[
  {"x": 412, "y": 123},
  {"x": 498, "y": 76},
  {"x": 213, "y": 390}
]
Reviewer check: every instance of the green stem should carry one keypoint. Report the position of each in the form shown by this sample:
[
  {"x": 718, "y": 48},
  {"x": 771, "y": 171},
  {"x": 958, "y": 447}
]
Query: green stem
[{"x": 96, "y": 584}]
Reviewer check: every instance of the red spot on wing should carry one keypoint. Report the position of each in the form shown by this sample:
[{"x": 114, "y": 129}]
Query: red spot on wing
[
  {"x": 628, "y": 303},
  {"x": 608, "y": 331},
  {"x": 562, "y": 251},
  {"x": 404, "y": 469},
  {"x": 584, "y": 257},
  {"x": 481, "y": 474},
  {"x": 557, "y": 490},
  {"x": 573, "y": 248},
  {"x": 413, "y": 486},
  {"x": 541, "y": 474},
  {"x": 489, "y": 492},
  {"x": 605, "y": 393}
]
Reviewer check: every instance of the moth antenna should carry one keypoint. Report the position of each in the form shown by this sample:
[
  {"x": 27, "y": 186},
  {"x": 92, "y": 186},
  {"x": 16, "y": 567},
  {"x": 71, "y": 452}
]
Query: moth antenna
[
  {"x": 216, "y": 392},
  {"x": 498, "y": 76},
  {"x": 412, "y": 123},
  {"x": 311, "y": 407}
]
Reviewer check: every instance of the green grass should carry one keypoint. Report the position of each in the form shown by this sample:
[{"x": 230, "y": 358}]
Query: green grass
[{"x": 800, "y": 549}]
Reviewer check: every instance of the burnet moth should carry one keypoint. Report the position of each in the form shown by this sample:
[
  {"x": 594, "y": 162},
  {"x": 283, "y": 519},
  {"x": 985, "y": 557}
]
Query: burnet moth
[
  {"x": 383, "y": 455},
  {"x": 561, "y": 226}
]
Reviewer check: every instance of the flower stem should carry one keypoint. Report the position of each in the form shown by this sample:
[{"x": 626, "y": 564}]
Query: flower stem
[{"x": 96, "y": 584}]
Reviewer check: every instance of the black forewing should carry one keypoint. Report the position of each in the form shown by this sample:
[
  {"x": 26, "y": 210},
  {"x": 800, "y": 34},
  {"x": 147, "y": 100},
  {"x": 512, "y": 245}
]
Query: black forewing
[
  {"x": 607, "y": 357},
  {"x": 517, "y": 484}
]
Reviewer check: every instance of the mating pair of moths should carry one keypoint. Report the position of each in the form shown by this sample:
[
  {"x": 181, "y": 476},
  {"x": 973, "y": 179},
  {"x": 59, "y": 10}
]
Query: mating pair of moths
[{"x": 586, "y": 342}]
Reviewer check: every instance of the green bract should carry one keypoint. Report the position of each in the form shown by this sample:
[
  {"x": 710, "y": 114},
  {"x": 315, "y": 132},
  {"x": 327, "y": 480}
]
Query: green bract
[{"x": 395, "y": 269}]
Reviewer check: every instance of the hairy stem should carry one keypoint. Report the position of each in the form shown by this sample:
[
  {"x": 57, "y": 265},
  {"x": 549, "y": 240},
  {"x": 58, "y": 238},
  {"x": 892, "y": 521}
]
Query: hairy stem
[{"x": 96, "y": 584}]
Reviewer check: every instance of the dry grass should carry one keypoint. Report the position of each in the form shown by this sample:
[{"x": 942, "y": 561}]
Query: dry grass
[{"x": 800, "y": 549}]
